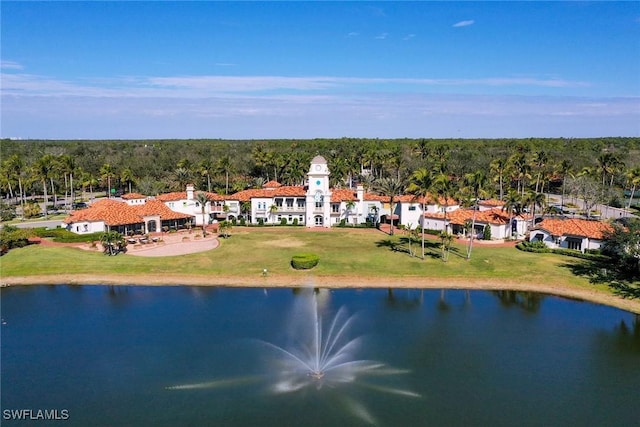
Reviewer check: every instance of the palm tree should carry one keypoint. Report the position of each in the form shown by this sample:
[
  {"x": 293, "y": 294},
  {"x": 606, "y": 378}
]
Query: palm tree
[
  {"x": 245, "y": 208},
  {"x": 535, "y": 200},
  {"x": 112, "y": 242},
  {"x": 390, "y": 187},
  {"x": 106, "y": 173},
  {"x": 540, "y": 160},
  {"x": 512, "y": 204},
  {"x": 202, "y": 198},
  {"x": 445, "y": 190},
  {"x": 225, "y": 166},
  {"x": 14, "y": 169},
  {"x": 42, "y": 170},
  {"x": 68, "y": 167},
  {"x": 180, "y": 178},
  {"x": 564, "y": 168},
  {"x": 633, "y": 178},
  {"x": 420, "y": 185},
  {"x": 498, "y": 167},
  {"x": 475, "y": 182},
  {"x": 272, "y": 210},
  {"x": 350, "y": 205},
  {"x": 207, "y": 168},
  {"x": 127, "y": 177}
]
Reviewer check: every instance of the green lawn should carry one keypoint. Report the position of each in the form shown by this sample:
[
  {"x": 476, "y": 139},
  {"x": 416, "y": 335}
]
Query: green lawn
[{"x": 355, "y": 253}]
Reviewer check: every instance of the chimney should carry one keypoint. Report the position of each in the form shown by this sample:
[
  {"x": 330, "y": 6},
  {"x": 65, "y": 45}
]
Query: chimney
[
  {"x": 190, "y": 191},
  {"x": 360, "y": 193}
]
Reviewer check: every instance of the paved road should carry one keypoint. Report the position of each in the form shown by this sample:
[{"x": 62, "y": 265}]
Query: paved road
[
  {"x": 36, "y": 224},
  {"x": 606, "y": 212}
]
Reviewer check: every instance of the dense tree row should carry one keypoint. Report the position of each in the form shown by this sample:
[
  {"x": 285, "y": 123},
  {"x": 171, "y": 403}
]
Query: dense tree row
[{"x": 593, "y": 169}]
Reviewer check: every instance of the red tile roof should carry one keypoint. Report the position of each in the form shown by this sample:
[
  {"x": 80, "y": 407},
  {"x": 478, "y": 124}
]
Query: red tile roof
[
  {"x": 460, "y": 216},
  {"x": 182, "y": 195},
  {"x": 131, "y": 196},
  {"x": 113, "y": 212},
  {"x": 343, "y": 195},
  {"x": 272, "y": 184},
  {"x": 267, "y": 193},
  {"x": 575, "y": 227},
  {"x": 491, "y": 203}
]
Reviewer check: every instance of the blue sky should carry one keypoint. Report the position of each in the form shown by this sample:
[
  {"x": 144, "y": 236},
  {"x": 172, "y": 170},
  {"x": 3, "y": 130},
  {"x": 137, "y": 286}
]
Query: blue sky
[{"x": 320, "y": 69}]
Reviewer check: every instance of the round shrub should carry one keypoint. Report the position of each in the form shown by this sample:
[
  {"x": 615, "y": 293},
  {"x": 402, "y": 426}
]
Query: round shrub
[{"x": 304, "y": 261}]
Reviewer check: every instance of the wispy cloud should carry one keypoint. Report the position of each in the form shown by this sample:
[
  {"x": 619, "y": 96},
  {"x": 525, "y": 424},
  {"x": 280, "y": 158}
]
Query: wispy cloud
[
  {"x": 382, "y": 36},
  {"x": 464, "y": 23},
  {"x": 353, "y": 34},
  {"x": 10, "y": 65},
  {"x": 213, "y": 85},
  {"x": 409, "y": 37}
]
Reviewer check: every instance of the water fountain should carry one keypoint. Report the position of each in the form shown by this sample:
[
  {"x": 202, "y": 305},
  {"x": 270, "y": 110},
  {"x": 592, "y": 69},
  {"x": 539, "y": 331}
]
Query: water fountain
[{"x": 319, "y": 355}]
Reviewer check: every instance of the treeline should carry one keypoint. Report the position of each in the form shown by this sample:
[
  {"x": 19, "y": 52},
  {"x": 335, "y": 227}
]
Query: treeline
[{"x": 226, "y": 166}]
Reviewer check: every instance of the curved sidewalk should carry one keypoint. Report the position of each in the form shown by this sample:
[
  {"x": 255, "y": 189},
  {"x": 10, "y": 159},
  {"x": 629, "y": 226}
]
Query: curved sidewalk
[{"x": 173, "y": 247}]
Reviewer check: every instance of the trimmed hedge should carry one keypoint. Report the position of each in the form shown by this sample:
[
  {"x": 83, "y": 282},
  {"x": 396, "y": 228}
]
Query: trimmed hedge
[
  {"x": 65, "y": 236},
  {"x": 304, "y": 261},
  {"x": 541, "y": 248}
]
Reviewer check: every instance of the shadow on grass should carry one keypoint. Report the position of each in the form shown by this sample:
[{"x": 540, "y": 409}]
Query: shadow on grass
[
  {"x": 432, "y": 249},
  {"x": 600, "y": 272}
]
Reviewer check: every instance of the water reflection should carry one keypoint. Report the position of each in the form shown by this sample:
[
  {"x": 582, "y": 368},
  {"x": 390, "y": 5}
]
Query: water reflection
[
  {"x": 321, "y": 359},
  {"x": 528, "y": 301}
]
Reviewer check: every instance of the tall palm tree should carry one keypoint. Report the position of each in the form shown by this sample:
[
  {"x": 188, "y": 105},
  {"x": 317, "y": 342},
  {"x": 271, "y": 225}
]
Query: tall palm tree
[
  {"x": 15, "y": 169},
  {"x": 350, "y": 205},
  {"x": 206, "y": 169},
  {"x": 633, "y": 178},
  {"x": 476, "y": 183},
  {"x": 444, "y": 189},
  {"x": 535, "y": 200},
  {"x": 498, "y": 168},
  {"x": 180, "y": 178},
  {"x": 107, "y": 172},
  {"x": 391, "y": 187},
  {"x": 512, "y": 204},
  {"x": 420, "y": 185},
  {"x": 202, "y": 198},
  {"x": 68, "y": 167},
  {"x": 540, "y": 159},
  {"x": 272, "y": 211},
  {"x": 43, "y": 169},
  {"x": 225, "y": 166},
  {"x": 564, "y": 167},
  {"x": 127, "y": 177}
]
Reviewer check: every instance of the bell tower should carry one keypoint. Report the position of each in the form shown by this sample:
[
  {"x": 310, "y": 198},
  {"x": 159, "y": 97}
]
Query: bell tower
[{"x": 318, "y": 202}]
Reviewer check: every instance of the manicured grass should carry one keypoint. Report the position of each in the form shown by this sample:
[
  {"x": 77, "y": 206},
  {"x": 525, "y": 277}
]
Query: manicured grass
[{"x": 355, "y": 253}]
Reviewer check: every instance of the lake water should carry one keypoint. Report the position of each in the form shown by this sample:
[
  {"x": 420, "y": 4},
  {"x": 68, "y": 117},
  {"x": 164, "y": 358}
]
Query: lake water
[{"x": 191, "y": 356}]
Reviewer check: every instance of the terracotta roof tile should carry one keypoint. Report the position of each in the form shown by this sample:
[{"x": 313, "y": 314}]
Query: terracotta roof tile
[
  {"x": 491, "y": 203},
  {"x": 575, "y": 227},
  {"x": 131, "y": 196},
  {"x": 271, "y": 184},
  {"x": 267, "y": 193},
  {"x": 113, "y": 212},
  {"x": 343, "y": 195}
]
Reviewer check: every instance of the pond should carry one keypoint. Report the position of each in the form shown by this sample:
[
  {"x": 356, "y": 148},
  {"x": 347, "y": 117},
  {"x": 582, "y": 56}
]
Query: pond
[{"x": 165, "y": 356}]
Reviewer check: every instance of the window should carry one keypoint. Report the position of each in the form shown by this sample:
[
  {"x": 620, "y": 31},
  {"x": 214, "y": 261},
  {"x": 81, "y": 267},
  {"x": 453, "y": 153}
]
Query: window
[
  {"x": 412, "y": 208},
  {"x": 335, "y": 207},
  {"x": 279, "y": 203},
  {"x": 300, "y": 203},
  {"x": 574, "y": 244}
]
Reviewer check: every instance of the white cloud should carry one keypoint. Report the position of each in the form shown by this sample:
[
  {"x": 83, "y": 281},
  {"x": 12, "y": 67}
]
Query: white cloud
[
  {"x": 409, "y": 37},
  {"x": 10, "y": 65},
  {"x": 353, "y": 34},
  {"x": 382, "y": 36},
  {"x": 464, "y": 23},
  {"x": 20, "y": 84}
]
